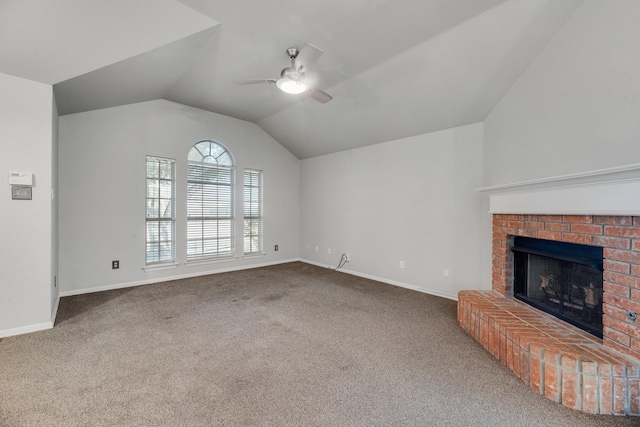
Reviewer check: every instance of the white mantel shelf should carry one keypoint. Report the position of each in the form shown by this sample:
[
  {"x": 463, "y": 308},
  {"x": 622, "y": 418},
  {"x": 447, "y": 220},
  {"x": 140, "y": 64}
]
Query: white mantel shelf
[{"x": 613, "y": 191}]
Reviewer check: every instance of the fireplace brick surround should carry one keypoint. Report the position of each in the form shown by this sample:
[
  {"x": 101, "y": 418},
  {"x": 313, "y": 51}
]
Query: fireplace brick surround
[{"x": 562, "y": 362}]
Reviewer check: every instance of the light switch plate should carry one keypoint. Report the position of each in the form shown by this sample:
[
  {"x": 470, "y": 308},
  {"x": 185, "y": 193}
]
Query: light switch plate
[{"x": 21, "y": 178}]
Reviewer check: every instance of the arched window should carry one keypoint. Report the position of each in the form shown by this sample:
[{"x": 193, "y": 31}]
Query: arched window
[{"x": 210, "y": 193}]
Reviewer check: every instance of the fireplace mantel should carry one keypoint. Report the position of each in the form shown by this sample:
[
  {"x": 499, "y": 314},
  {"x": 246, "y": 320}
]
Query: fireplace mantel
[{"x": 611, "y": 191}]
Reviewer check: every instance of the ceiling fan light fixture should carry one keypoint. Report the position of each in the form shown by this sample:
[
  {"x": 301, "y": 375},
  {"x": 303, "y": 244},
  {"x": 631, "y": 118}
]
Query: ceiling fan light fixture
[{"x": 292, "y": 87}]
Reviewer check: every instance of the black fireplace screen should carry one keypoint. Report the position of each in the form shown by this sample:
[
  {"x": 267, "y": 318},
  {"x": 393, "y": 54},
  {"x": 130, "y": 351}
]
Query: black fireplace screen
[{"x": 563, "y": 279}]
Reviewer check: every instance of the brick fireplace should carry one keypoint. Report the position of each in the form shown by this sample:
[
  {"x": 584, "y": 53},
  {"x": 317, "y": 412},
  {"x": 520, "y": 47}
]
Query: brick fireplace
[
  {"x": 564, "y": 363},
  {"x": 619, "y": 236}
]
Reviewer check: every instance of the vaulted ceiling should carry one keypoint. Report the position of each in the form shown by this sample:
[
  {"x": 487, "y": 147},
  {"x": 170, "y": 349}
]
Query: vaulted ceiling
[{"x": 395, "y": 68}]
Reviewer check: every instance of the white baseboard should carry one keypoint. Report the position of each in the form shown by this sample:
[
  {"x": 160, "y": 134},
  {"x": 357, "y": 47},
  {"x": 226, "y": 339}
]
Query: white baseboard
[
  {"x": 26, "y": 329},
  {"x": 167, "y": 279},
  {"x": 387, "y": 281}
]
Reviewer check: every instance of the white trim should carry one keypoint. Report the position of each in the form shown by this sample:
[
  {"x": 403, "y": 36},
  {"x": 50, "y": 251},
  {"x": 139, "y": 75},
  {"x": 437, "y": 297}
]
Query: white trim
[
  {"x": 598, "y": 176},
  {"x": 251, "y": 256},
  {"x": 387, "y": 281},
  {"x": 26, "y": 329},
  {"x": 160, "y": 267},
  {"x": 170, "y": 278},
  {"x": 610, "y": 191},
  {"x": 210, "y": 260}
]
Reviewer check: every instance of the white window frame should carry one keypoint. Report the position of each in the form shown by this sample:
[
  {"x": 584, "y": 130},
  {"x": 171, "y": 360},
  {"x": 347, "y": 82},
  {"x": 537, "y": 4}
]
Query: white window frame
[
  {"x": 253, "y": 235},
  {"x": 210, "y": 202},
  {"x": 160, "y": 211}
]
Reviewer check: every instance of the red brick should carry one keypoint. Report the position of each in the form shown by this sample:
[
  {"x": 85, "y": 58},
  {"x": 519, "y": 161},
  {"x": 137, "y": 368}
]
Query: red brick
[
  {"x": 635, "y": 295},
  {"x": 621, "y": 326},
  {"x": 498, "y": 279},
  {"x": 635, "y": 270},
  {"x": 617, "y": 266},
  {"x": 634, "y": 397},
  {"x": 623, "y": 303},
  {"x": 557, "y": 226},
  {"x": 550, "y": 235},
  {"x": 620, "y": 290},
  {"x": 606, "y": 395},
  {"x": 636, "y": 220},
  {"x": 499, "y": 243},
  {"x": 616, "y": 336},
  {"x": 551, "y": 382},
  {"x": 583, "y": 219},
  {"x": 620, "y": 231},
  {"x": 511, "y": 216},
  {"x": 621, "y": 279},
  {"x": 589, "y": 368},
  {"x": 635, "y": 245},
  {"x": 620, "y": 255},
  {"x": 586, "y": 228},
  {"x": 615, "y": 312},
  {"x": 619, "y": 395},
  {"x": 499, "y": 235},
  {"x": 550, "y": 218},
  {"x": 534, "y": 225},
  {"x": 612, "y": 220},
  {"x": 590, "y": 402},
  {"x": 535, "y": 374},
  {"x": 527, "y": 233},
  {"x": 499, "y": 222},
  {"x": 500, "y": 250},
  {"x": 584, "y": 239},
  {"x": 569, "y": 390},
  {"x": 612, "y": 242}
]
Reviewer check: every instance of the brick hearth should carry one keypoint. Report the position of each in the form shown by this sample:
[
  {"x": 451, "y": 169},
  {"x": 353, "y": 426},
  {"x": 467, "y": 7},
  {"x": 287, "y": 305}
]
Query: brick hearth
[{"x": 559, "y": 360}]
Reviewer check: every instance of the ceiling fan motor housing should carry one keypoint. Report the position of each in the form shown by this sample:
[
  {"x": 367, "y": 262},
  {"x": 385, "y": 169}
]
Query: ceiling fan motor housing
[{"x": 292, "y": 73}]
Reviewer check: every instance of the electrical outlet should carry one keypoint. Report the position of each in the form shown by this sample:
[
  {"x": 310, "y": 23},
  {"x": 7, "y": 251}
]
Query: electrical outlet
[
  {"x": 401, "y": 264},
  {"x": 55, "y": 281},
  {"x": 329, "y": 251},
  {"x": 317, "y": 249},
  {"x": 446, "y": 272},
  {"x": 115, "y": 265},
  {"x": 275, "y": 248}
]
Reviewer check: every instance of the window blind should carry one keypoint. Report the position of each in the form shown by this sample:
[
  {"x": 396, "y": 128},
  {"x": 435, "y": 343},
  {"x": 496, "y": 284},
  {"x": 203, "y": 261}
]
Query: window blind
[
  {"x": 160, "y": 227},
  {"x": 252, "y": 212},
  {"x": 209, "y": 202}
]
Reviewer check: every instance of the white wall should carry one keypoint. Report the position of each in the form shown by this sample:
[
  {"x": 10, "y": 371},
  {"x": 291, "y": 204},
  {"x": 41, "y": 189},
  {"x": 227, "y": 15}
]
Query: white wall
[
  {"x": 26, "y": 226},
  {"x": 102, "y": 190},
  {"x": 577, "y": 107},
  {"x": 410, "y": 200}
]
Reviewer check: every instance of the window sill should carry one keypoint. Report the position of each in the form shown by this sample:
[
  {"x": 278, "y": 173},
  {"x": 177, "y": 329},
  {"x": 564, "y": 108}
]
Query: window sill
[
  {"x": 159, "y": 267},
  {"x": 253, "y": 256},
  {"x": 210, "y": 261}
]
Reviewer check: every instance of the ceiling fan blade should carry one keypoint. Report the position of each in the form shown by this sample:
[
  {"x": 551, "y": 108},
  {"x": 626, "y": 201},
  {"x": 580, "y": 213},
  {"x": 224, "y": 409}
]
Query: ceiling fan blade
[
  {"x": 254, "y": 81},
  {"x": 307, "y": 56},
  {"x": 319, "y": 95}
]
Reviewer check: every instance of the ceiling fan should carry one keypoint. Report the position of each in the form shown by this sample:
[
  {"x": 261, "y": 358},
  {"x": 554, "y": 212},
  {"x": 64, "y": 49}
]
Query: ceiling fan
[{"x": 292, "y": 79}]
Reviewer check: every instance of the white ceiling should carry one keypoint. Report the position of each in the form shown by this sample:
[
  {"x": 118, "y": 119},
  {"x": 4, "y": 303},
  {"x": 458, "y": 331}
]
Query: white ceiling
[{"x": 396, "y": 68}]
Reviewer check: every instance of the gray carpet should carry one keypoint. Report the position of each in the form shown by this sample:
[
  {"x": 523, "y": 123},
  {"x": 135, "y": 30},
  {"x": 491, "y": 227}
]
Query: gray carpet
[{"x": 289, "y": 345}]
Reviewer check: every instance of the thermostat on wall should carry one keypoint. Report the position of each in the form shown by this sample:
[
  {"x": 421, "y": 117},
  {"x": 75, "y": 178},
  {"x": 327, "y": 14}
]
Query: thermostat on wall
[{"x": 21, "y": 178}]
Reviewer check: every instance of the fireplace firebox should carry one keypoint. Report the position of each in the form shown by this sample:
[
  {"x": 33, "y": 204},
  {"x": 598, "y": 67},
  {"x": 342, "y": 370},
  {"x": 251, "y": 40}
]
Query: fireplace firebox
[{"x": 562, "y": 279}]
